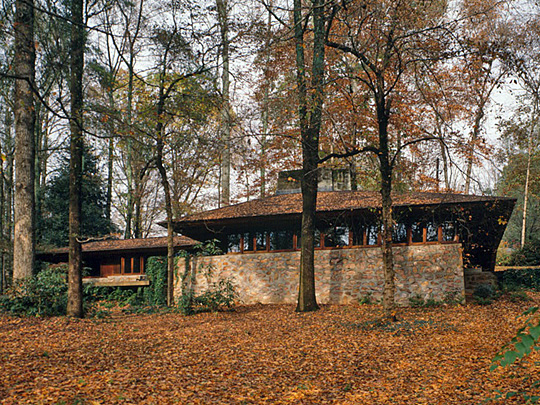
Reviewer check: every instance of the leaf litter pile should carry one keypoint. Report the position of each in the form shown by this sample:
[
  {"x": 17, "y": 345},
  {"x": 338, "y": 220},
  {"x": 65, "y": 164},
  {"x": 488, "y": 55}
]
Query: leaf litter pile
[{"x": 265, "y": 354}]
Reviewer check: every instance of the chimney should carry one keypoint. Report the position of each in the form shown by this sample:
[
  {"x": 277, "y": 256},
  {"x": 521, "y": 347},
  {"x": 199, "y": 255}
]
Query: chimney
[{"x": 289, "y": 181}]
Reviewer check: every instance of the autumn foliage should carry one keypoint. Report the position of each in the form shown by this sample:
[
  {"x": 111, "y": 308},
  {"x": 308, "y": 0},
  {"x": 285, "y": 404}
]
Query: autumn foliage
[{"x": 264, "y": 354}]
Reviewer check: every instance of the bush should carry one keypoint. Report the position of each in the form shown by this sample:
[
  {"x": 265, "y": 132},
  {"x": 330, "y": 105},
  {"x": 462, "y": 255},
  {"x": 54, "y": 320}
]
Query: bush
[
  {"x": 45, "y": 294},
  {"x": 522, "y": 278},
  {"x": 528, "y": 255},
  {"x": 219, "y": 296},
  {"x": 484, "y": 294}
]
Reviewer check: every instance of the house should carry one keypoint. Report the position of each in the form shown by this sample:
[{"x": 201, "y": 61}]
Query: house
[
  {"x": 442, "y": 243},
  {"x": 117, "y": 262}
]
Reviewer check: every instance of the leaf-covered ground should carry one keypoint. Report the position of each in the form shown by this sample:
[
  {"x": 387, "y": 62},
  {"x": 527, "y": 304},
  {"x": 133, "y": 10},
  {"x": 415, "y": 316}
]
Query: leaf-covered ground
[{"x": 263, "y": 354}]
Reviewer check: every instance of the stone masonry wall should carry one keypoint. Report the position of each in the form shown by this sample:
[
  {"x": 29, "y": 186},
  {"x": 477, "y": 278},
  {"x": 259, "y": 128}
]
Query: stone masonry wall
[{"x": 342, "y": 275}]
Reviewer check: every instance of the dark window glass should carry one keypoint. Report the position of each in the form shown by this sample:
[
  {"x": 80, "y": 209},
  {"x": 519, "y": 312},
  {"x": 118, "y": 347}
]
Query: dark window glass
[
  {"x": 260, "y": 238},
  {"x": 248, "y": 242},
  {"x": 372, "y": 235},
  {"x": 317, "y": 238},
  {"x": 136, "y": 264},
  {"x": 448, "y": 231},
  {"x": 281, "y": 240},
  {"x": 417, "y": 232},
  {"x": 432, "y": 234},
  {"x": 358, "y": 236},
  {"x": 233, "y": 243},
  {"x": 336, "y": 236},
  {"x": 399, "y": 233},
  {"x": 127, "y": 265}
]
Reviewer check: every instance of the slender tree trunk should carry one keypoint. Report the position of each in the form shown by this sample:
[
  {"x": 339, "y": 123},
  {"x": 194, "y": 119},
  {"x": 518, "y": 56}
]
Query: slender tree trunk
[
  {"x": 310, "y": 131},
  {"x": 474, "y": 138},
  {"x": 266, "y": 104},
  {"x": 223, "y": 17},
  {"x": 75, "y": 299},
  {"x": 8, "y": 229},
  {"x": 2, "y": 211},
  {"x": 137, "y": 230},
  {"x": 129, "y": 160},
  {"x": 526, "y": 192},
  {"x": 110, "y": 162},
  {"x": 24, "y": 69},
  {"x": 385, "y": 165}
]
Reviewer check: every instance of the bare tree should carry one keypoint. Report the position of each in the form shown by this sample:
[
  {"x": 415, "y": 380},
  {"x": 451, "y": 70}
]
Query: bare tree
[
  {"x": 24, "y": 71},
  {"x": 75, "y": 298}
]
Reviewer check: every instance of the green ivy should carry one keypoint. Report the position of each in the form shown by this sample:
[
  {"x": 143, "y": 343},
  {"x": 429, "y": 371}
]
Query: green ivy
[
  {"x": 156, "y": 271},
  {"x": 219, "y": 295}
]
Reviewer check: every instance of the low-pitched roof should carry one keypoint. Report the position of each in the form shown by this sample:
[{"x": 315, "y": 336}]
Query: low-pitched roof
[
  {"x": 289, "y": 204},
  {"x": 113, "y": 245}
]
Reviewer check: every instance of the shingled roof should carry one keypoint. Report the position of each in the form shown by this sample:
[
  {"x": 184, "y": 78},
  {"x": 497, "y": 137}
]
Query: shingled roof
[
  {"x": 289, "y": 204},
  {"x": 113, "y": 245}
]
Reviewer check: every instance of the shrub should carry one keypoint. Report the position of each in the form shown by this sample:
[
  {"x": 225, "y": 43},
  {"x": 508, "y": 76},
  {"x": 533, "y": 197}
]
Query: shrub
[
  {"x": 484, "y": 294},
  {"x": 219, "y": 296},
  {"x": 416, "y": 301},
  {"x": 44, "y": 294},
  {"x": 522, "y": 278},
  {"x": 528, "y": 255}
]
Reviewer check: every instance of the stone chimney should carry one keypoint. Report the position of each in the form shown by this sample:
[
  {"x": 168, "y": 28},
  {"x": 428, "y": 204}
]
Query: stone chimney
[{"x": 329, "y": 180}]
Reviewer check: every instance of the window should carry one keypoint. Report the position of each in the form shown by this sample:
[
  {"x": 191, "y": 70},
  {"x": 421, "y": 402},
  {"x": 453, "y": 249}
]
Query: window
[
  {"x": 136, "y": 264},
  {"x": 432, "y": 232},
  {"x": 357, "y": 236},
  {"x": 336, "y": 237},
  {"x": 399, "y": 233},
  {"x": 281, "y": 240},
  {"x": 248, "y": 242},
  {"x": 233, "y": 243},
  {"x": 449, "y": 231},
  {"x": 260, "y": 238},
  {"x": 127, "y": 264},
  {"x": 417, "y": 232},
  {"x": 372, "y": 235}
]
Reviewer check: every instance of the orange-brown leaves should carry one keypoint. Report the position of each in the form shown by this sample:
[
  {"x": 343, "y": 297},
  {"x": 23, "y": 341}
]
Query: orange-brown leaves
[{"x": 262, "y": 354}]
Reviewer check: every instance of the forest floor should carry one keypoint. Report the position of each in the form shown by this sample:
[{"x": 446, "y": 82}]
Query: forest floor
[{"x": 264, "y": 354}]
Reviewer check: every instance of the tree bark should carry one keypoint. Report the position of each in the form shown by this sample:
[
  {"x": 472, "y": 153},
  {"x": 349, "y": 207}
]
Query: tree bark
[
  {"x": 527, "y": 178},
  {"x": 167, "y": 192},
  {"x": 383, "y": 117},
  {"x": 24, "y": 69},
  {"x": 75, "y": 299},
  {"x": 310, "y": 131},
  {"x": 223, "y": 18},
  {"x": 266, "y": 104}
]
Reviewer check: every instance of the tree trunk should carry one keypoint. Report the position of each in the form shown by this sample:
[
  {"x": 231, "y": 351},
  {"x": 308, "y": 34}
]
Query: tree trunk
[
  {"x": 526, "y": 191},
  {"x": 166, "y": 189},
  {"x": 385, "y": 166},
  {"x": 8, "y": 229},
  {"x": 110, "y": 161},
  {"x": 223, "y": 18},
  {"x": 310, "y": 131},
  {"x": 75, "y": 298},
  {"x": 266, "y": 104},
  {"x": 24, "y": 69},
  {"x": 474, "y": 137}
]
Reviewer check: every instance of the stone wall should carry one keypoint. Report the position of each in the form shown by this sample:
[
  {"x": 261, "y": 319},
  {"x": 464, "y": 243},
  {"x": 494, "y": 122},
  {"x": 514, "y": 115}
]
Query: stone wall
[
  {"x": 342, "y": 275},
  {"x": 475, "y": 277}
]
